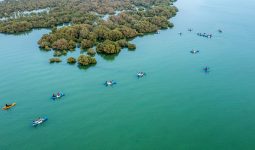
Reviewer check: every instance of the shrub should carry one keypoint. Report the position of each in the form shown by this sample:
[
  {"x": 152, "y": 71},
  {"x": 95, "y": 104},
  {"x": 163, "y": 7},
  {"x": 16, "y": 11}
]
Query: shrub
[
  {"x": 71, "y": 60},
  {"x": 55, "y": 60},
  {"x": 57, "y": 53},
  {"x": 115, "y": 35},
  {"x": 170, "y": 25},
  {"x": 122, "y": 43},
  {"x": 71, "y": 45},
  {"x": 84, "y": 60},
  {"x": 60, "y": 44},
  {"x": 131, "y": 46},
  {"x": 91, "y": 52},
  {"x": 108, "y": 47},
  {"x": 86, "y": 44}
]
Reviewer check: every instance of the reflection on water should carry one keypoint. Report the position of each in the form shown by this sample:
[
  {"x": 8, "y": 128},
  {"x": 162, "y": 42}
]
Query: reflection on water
[
  {"x": 108, "y": 57},
  {"x": 85, "y": 67}
]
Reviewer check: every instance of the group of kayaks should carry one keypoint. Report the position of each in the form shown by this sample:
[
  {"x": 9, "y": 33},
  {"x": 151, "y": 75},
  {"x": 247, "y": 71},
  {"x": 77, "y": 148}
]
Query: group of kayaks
[
  {"x": 206, "y": 69},
  {"x": 112, "y": 82},
  {"x": 35, "y": 123},
  {"x": 205, "y": 35},
  {"x": 39, "y": 120},
  {"x": 202, "y": 34}
]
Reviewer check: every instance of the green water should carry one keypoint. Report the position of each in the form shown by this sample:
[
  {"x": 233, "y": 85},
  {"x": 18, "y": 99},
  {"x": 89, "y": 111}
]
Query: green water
[{"x": 175, "y": 107}]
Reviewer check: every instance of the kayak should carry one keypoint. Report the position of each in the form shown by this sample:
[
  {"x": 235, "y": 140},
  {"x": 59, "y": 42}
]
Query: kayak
[
  {"x": 141, "y": 74},
  {"x": 194, "y": 51},
  {"x": 206, "y": 69},
  {"x": 58, "y": 96},
  {"x": 110, "y": 83},
  {"x": 39, "y": 121},
  {"x": 6, "y": 108}
]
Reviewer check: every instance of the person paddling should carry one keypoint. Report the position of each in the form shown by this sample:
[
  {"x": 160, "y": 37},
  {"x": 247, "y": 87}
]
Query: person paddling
[
  {"x": 206, "y": 69},
  {"x": 6, "y": 105}
]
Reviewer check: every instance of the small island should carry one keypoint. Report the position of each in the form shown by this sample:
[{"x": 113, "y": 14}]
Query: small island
[
  {"x": 55, "y": 60},
  {"x": 71, "y": 60},
  {"x": 85, "y": 60},
  {"x": 87, "y": 28}
]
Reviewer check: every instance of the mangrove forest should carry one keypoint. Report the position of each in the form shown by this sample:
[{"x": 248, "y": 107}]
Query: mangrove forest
[{"x": 87, "y": 30}]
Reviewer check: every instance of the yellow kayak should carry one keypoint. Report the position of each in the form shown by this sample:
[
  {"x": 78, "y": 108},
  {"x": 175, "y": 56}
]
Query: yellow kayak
[{"x": 5, "y": 108}]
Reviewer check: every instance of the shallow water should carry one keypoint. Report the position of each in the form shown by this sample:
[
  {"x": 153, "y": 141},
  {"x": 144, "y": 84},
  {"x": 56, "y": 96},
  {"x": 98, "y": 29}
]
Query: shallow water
[
  {"x": 25, "y": 13},
  {"x": 107, "y": 16},
  {"x": 176, "y": 106}
]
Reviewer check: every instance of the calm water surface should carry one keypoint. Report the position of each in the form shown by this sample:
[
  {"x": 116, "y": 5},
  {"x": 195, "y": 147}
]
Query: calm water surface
[{"x": 176, "y": 106}]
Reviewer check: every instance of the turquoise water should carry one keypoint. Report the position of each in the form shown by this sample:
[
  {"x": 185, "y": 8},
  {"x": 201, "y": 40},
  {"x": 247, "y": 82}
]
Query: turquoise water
[{"x": 176, "y": 106}]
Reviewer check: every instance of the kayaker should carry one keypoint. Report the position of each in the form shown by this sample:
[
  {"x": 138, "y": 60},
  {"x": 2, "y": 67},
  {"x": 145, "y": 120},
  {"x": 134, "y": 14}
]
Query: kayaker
[
  {"x": 53, "y": 95},
  {"x": 206, "y": 69},
  {"x": 37, "y": 119},
  {"x": 58, "y": 94},
  {"x": 6, "y": 105}
]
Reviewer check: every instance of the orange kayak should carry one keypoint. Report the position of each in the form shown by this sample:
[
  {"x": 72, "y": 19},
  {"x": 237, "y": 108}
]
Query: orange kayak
[{"x": 6, "y": 108}]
